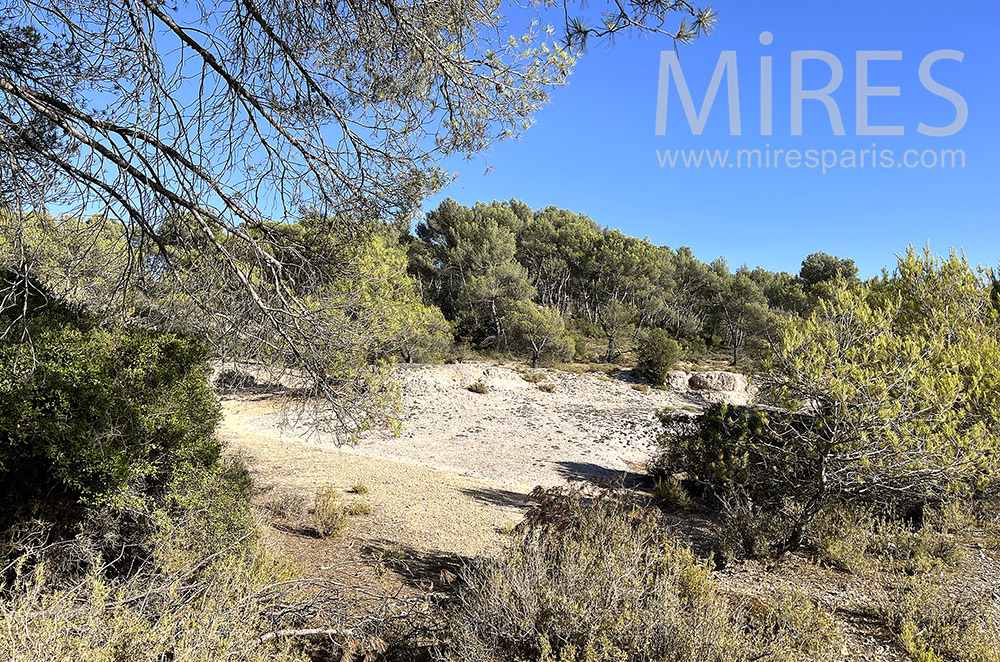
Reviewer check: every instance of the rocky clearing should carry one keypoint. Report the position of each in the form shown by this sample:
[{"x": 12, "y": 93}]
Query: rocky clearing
[
  {"x": 455, "y": 478},
  {"x": 463, "y": 462}
]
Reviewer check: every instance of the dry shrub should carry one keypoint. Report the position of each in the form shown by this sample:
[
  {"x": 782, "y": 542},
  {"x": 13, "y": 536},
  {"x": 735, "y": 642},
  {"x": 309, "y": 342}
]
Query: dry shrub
[
  {"x": 593, "y": 577},
  {"x": 858, "y": 540},
  {"x": 533, "y": 377},
  {"x": 937, "y": 624},
  {"x": 201, "y": 593},
  {"x": 359, "y": 507},
  {"x": 479, "y": 388},
  {"x": 359, "y": 488},
  {"x": 330, "y": 513},
  {"x": 748, "y": 530},
  {"x": 287, "y": 505},
  {"x": 801, "y": 629},
  {"x": 547, "y": 388}
]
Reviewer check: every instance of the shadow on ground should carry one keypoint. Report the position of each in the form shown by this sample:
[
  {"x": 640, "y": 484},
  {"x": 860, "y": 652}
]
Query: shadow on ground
[
  {"x": 496, "y": 497},
  {"x": 589, "y": 470},
  {"x": 419, "y": 568}
]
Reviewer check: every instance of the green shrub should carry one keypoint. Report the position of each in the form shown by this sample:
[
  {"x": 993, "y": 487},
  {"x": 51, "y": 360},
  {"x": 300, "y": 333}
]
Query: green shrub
[
  {"x": 330, "y": 512},
  {"x": 670, "y": 494},
  {"x": 658, "y": 353},
  {"x": 538, "y": 332},
  {"x": 96, "y": 417},
  {"x": 724, "y": 447},
  {"x": 887, "y": 395}
]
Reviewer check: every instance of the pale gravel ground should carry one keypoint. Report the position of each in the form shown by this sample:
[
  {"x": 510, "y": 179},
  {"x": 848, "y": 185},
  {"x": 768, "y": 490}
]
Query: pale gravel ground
[
  {"x": 515, "y": 434},
  {"x": 464, "y": 461}
]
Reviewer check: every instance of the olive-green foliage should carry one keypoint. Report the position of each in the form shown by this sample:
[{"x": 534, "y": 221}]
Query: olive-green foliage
[
  {"x": 359, "y": 507},
  {"x": 533, "y": 377},
  {"x": 821, "y": 267},
  {"x": 859, "y": 540},
  {"x": 81, "y": 260},
  {"x": 605, "y": 583},
  {"x": 936, "y": 623},
  {"x": 330, "y": 512},
  {"x": 538, "y": 332},
  {"x": 473, "y": 262},
  {"x": 94, "y": 416},
  {"x": 426, "y": 336},
  {"x": 720, "y": 448},
  {"x": 657, "y": 355},
  {"x": 902, "y": 376},
  {"x": 670, "y": 494},
  {"x": 209, "y": 588},
  {"x": 888, "y": 394}
]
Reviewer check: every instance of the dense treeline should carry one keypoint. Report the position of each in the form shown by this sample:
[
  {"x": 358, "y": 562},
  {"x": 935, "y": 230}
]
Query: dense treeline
[{"x": 477, "y": 263}]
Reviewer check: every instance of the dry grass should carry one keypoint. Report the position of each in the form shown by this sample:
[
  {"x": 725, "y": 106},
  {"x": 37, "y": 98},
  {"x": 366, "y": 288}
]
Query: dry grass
[
  {"x": 330, "y": 513},
  {"x": 592, "y": 578},
  {"x": 358, "y": 507},
  {"x": 479, "y": 388},
  {"x": 934, "y": 623},
  {"x": 287, "y": 505}
]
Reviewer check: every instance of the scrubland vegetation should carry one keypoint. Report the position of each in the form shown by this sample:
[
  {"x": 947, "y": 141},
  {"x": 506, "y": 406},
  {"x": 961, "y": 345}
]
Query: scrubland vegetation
[
  {"x": 872, "y": 451},
  {"x": 240, "y": 197}
]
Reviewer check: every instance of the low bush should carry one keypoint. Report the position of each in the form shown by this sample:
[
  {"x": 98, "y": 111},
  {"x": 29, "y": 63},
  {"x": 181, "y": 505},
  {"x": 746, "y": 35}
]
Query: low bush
[
  {"x": 533, "y": 377},
  {"x": 547, "y": 388},
  {"x": 670, "y": 494},
  {"x": 358, "y": 507},
  {"x": 592, "y": 577},
  {"x": 859, "y": 540},
  {"x": 209, "y": 584},
  {"x": 656, "y": 356},
  {"x": 330, "y": 513},
  {"x": 479, "y": 388},
  {"x": 359, "y": 488},
  {"x": 747, "y": 529},
  {"x": 287, "y": 505},
  {"x": 934, "y": 623}
]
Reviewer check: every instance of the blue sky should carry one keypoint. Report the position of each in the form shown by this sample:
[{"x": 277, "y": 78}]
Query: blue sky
[{"x": 593, "y": 148}]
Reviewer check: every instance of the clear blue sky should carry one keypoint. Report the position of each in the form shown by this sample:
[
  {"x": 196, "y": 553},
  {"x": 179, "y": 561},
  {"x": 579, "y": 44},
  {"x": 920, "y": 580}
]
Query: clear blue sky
[{"x": 593, "y": 149}]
